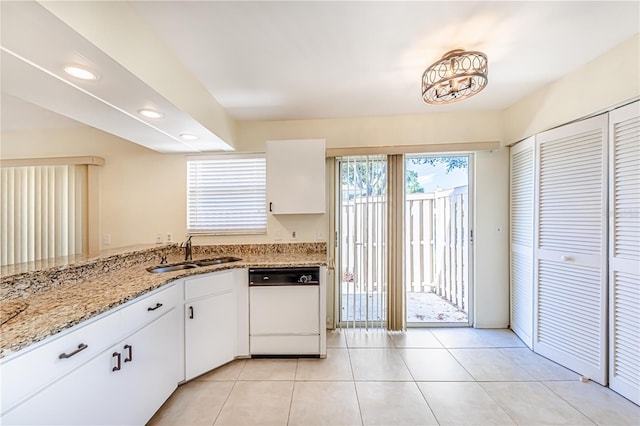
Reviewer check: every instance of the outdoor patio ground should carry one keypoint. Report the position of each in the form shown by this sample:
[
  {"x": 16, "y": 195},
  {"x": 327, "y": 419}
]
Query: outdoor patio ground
[{"x": 421, "y": 308}]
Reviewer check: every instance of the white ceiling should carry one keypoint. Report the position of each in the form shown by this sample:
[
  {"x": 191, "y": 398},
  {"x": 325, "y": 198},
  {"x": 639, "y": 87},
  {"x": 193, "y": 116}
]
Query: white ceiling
[{"x": 269, "y": 60}]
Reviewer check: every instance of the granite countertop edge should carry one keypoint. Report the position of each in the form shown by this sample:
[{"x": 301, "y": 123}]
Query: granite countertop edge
[{"x": 53, "y": 310}]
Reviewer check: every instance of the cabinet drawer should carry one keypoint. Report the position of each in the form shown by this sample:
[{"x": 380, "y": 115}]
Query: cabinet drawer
[
  {"x": 147, "y": 308},
  {"x": 40, "y": 365},
  {"x": 208, "y": 284}
]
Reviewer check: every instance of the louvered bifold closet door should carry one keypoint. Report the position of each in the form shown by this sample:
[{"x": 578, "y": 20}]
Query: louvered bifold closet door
[
  {"x": 571, "y": 232},
  {"x": 521, "y": 276},
  {"x": 624, "y": 252}
]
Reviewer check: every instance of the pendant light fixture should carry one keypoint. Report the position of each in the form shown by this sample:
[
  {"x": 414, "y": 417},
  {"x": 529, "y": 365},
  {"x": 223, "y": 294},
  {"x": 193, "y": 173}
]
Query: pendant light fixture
[{"x": 458, "y": 75}]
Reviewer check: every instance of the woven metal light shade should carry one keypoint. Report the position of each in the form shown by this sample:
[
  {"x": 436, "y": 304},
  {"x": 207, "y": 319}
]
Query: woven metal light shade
[{"x": 458, "y": 75}]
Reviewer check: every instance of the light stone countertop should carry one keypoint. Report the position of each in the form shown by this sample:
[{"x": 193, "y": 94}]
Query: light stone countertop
[{"x": 74, "y": 299}]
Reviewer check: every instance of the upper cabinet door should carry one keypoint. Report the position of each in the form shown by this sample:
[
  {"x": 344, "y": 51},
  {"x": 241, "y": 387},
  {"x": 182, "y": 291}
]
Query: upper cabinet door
[{"x": 296, "y": 176}]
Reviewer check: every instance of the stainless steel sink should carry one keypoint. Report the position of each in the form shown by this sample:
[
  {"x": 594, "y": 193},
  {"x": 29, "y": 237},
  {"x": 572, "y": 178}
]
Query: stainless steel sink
[
  {"x": 216, "y": 261},
  {"x": 171, "y": 268},
  {"x": 192, "y": 265}
]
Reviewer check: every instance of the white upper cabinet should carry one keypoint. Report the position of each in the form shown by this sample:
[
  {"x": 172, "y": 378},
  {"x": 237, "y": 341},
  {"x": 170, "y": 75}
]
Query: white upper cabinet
[{"x": 296, "y": 176}]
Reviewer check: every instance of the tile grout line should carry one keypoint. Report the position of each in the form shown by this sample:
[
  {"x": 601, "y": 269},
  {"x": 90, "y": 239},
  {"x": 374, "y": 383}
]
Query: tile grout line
[
  {"x": 475, "y": 380},
  {"x": 293, "y": 390},
  {"x": 500, "y": 348},
  {"x": 235, "y": 381},
  {"x": 353, "y": 378},
  {"x": 415, "y": 382},
  {"x": 569, "y": 403}
]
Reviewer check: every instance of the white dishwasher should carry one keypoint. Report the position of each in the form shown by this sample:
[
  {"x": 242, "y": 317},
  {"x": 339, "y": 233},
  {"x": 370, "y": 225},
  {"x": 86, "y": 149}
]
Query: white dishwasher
[{"x": 284, "y": 312}]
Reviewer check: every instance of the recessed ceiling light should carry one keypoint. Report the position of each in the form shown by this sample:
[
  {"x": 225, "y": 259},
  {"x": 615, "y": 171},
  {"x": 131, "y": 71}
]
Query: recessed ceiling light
[
  {"x": 81, "y": 73},
  {"x": 149, "y": 113},
  {"x": 188, "y": 136}
]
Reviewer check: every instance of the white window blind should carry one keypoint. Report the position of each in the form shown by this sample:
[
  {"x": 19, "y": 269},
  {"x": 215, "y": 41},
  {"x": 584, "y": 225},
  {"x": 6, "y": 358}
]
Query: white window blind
[
  {"x": 226, "y": 194},
  {"x": 43, "y": 212}
]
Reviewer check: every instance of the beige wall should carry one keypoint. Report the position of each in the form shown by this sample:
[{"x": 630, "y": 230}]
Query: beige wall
[
  {"x": 141, "y": 191},
  {"x": 441, "y": 128},
  {"x": 608, "y": 81},
  {"x": 491, "y": 239}
]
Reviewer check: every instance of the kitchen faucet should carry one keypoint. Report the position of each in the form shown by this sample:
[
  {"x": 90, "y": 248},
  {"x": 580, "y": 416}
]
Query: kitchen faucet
[{"x": 187, "y": 248}]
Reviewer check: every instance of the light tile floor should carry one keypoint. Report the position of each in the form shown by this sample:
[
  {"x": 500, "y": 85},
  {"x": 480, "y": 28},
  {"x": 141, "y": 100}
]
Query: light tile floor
[{"x": 447, "y": 376}]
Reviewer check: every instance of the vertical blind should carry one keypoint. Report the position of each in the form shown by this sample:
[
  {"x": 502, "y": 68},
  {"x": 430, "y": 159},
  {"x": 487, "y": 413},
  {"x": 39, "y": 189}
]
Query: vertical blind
[
  {"x": 226, "y": 194},
  {"x": 363, "y": 247},
  {"x": 43, "y": 212}
]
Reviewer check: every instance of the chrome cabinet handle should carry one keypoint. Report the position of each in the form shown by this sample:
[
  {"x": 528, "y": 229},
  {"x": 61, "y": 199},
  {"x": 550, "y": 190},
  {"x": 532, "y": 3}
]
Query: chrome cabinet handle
[
  {"x": 118, "y": 364},
  {"x": 81, "y": 347},
  {"x": 128, "y": 357},
  {"x": 190, "y": 312},
  {"x": 158, "y": 305}
]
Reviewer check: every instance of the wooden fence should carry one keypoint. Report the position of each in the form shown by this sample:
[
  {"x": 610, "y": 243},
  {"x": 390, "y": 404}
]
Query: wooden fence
[{"x": 436, "y": 245}]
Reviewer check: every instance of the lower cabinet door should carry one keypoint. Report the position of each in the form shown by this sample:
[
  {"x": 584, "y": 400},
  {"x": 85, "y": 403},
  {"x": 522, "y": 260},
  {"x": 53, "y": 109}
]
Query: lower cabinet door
[
  {"x": 88, "y": 395},
  {"x": 124, "y": 385},
  {"x": 210, "y": 333},
  {"x": 150, "y": 367}
]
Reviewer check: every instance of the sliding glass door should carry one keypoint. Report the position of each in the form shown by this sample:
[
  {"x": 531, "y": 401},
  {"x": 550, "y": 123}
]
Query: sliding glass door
[
  {"x": 402, "y": 241},
  {"x": 436, "y": 242}
]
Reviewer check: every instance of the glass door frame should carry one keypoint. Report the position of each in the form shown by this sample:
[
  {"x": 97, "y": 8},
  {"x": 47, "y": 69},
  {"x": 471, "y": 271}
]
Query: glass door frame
[
  {"x": 336, "y": 247},
  {"x": 468, "y": 236}
]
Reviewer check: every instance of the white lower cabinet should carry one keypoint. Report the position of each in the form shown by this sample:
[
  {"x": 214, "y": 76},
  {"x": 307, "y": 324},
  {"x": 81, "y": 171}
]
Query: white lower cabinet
[
  {"x": 214, "y": 324},
  {"x": 152, "y": 374},
  {"x": 123, "y": 385},
  {"x": 86, "y": 396},
  {"x": 82, "y": 378},
  {"x": 95, "y": 390},
  {"x": 209, "y": 334},
  {"x": 36, "y": 367}
]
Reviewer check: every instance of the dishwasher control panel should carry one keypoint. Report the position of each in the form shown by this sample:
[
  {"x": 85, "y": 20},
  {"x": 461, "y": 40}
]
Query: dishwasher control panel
[{"x": 284, "y": 276}]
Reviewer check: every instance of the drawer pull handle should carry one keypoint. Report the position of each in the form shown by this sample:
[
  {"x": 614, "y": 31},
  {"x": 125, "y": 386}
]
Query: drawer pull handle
[
  {"x": 158, "y": 305},
  {"x": 190, "y": 312},
  {"x": 128, "y": 357},
  {"x": 81, "y": 347},
  {"x": 118, "y": 364}
]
